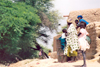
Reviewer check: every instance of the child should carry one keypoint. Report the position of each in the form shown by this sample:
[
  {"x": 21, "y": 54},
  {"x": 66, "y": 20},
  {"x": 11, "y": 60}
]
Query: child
[
  {"x": 40, "y": 54},
  {"x": 63, "y": 38},
  {"x": 80, "y": 17},
  {"x": 63, "y": 44},
  {"x": 49, "y": 53},
  {"x": 77, "y": 25},
  {"x": 83, "y": 44}
]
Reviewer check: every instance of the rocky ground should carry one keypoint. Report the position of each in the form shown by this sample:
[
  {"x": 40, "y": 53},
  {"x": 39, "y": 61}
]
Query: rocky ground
[
  {"x": 1, "y": 65},
  {"x": 53, "y": 63}
]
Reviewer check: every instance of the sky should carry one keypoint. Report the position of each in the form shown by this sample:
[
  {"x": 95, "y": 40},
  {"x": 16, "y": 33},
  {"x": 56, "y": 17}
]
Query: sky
[{"x": 65, "y": 6}]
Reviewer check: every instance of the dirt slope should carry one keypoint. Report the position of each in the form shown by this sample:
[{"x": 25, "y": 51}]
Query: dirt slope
[{"x": 53, "y": 63}]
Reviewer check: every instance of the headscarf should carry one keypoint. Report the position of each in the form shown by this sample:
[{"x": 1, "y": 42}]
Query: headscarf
[
  {"x": 79, "y": 16},
  {"x": 69, "y": 20}
]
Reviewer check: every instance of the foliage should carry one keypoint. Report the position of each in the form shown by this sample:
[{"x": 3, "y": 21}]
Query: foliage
[
  {"x": 20, "y": 24},
  {"x": 48, "y": 17},
  {"x": 46, "y": 50},
  {"x": 18, "y": 27},
  {"x": 54, "y": 18}
]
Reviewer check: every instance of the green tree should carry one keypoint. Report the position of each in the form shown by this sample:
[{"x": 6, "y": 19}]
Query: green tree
[
  {"x": 18, "y": 27},
  {"x": 48, "y": 17},
  {"x": 20, "y": 24}
]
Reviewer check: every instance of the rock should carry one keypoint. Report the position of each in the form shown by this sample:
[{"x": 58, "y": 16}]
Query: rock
[
  {"x": 94, "y": 33},
  {"x": 90, "y": 15},
  {"x": 59, "y": 52},
  {"x": 99, "y": 60},
  {"x": 55, "y": 42},
  {"x": 54, "y": 55}
]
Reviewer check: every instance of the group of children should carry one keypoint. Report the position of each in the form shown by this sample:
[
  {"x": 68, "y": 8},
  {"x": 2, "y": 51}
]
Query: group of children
[
  {"x": 79, "y": 41},
  {"x": 82, "y": 37},
  {"x": 43, "y": 55}
]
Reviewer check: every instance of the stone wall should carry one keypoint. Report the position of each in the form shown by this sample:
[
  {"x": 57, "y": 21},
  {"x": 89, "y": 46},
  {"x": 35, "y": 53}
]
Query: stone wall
[
  {"x": 55, "y": 42},
  {"x": 94, "y": 33},
  {"x": 90, "y": 15},
  {"x": 54, "y": 55},
  {"x": 58, "y": 52},
  {"x": 97, "y": 29}
]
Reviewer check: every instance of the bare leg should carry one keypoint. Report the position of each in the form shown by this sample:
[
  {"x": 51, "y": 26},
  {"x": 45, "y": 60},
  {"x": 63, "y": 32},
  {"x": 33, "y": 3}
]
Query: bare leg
[{"x": 84, "y": 59}]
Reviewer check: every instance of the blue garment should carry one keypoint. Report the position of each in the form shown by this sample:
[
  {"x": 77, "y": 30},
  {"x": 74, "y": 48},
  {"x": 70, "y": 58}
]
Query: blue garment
[
  {"x": 84, "y": 21},
  {"x": 79, "y": 16},
  {"x": 63, "y": 42}
]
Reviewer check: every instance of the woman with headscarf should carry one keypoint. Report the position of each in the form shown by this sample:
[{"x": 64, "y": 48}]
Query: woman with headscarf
[{"x": 72, "y": 41}]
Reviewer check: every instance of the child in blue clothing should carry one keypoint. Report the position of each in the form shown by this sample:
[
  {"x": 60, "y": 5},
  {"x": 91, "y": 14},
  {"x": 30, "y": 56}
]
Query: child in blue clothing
[
  {"x": 80, "y": 17},
  {"x": 63, "y": 38}
]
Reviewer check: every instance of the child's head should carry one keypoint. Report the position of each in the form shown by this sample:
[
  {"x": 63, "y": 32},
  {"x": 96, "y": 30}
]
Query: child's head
[
  {"x": 49, "y": 50},
  {"x": 69, "y": 22},
  {"x": 79, "y": 17},
  {"x": 82, "y": 24},
  {"x": 76, "y": 21},
  {"x": 40, "y": 49},
  {"x": 64, "y": 31}
]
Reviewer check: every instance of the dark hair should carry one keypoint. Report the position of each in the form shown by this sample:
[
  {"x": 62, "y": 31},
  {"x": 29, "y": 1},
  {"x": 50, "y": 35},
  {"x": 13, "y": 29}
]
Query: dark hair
[
  {"x": 82, "y": 24},
  {"x": 69, "y": 23},
  {"x": 49, "y": 50},
  {"x": 76, "y": 20},
  {"x": 64, "y": 30}
]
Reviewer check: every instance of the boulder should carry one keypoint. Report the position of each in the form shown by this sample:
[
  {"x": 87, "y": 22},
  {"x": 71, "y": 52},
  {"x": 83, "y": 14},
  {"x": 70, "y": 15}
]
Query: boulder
[
  {"x": 90, "y": 15},
  {"x": 55, "y": 42},
  {"x": 94, "y": 33},
  {"x": 54, "y": 55}
]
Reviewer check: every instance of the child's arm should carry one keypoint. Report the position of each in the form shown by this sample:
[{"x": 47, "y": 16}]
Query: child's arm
[
  {"x": 65, "y": 34},
  {"x": 77, "y": 27},
  {"x": 79, "y": 34},
  {"x": 87, "y": 34}
]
